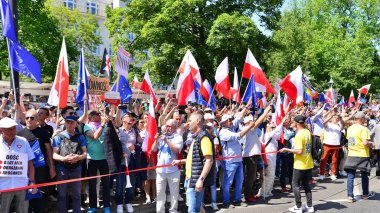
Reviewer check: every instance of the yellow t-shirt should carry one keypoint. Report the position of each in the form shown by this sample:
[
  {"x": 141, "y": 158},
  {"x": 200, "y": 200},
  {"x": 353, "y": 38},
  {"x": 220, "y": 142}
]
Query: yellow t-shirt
[
  {"x": 355, "y": 136},
  {"x": 206, "y": 147},
  {"x": 303, "y": 141}
]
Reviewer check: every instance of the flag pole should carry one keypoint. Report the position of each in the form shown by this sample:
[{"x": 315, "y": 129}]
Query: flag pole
[
  {"x": 117, "y": 82},
  {"x": 12, "y": 73},
  {"x": 171, "y": 86}
]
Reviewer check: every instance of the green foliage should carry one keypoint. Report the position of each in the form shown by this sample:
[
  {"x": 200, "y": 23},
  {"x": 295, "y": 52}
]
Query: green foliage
[
  {"x": 167, "y": 28},
  {"x": 337, "y": 38}
]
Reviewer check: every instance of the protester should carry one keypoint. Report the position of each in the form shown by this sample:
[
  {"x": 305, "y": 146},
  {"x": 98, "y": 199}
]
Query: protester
[
  {"x": 167, "y": 145},
  {"x": 200, "y": 164},
  {"x": 15, "y": 145},
  {"x": 358, "y": 155},
  {"x": 44, "y": 167},
  {"x": 69, "y": 150},
  {"x": 375, "y": 135},
  {"x": 97, "y": 159},
  {"x": 303, "y": 165}
]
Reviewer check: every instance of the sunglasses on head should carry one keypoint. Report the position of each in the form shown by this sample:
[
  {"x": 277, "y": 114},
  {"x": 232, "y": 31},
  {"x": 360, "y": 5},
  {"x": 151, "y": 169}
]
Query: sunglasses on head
[{"x": 31, "y": 118}]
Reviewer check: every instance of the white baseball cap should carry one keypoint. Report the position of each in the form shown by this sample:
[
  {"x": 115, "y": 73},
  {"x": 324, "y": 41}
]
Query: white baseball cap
[
  {"x": 7, "y": 123},
  {"x": 208, "y": 116},
  {"x": 225, "y": 117}
]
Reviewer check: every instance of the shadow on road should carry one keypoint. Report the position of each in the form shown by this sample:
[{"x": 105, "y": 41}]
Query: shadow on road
[{"x": 329, "y": 205}]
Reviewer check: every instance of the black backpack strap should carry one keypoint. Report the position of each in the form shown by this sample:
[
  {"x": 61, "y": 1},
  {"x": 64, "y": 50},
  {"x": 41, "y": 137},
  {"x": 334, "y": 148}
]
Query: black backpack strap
[{"x": 268, "y": 142}]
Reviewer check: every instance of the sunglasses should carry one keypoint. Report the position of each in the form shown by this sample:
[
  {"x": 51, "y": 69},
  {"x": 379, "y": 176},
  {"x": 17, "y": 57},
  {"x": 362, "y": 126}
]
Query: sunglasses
[
  {"x": 31, "y": 118},
  {"x": 72, "y": 113}
]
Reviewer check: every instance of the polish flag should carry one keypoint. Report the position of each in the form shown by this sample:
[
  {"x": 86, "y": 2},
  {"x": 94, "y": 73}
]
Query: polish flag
[
  {"x": 222, "y": 84},
  {"x": 292, "y": 85},
  {"x": 135, "y": 83},
  {"x": 279, "y": 113},
  {"x": 206, "y": 90},
  {"x": 151, "y": 131},
  {"x": 146, "y": 86},
  {"x": 193, "y": 67},
  {"x": 60, "y": 89},
  {"x": 286, "y": 103},
  {"x": 185, "y": 87},
  {"x": 235, "y": 90},
  {"x": 252, "y": 67},
  {"x": 364, "y": 89},
  {"x": 330, "y": 96},
  {"x": 351, "y": 100}
]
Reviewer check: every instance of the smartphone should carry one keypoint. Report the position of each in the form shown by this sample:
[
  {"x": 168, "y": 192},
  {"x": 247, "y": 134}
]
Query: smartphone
[
  {"x": 123, "y": 106},
  {"x": 272, "y": 109},
  {"x": 108, "y": 110},
  {"x": 6, "y": 94},
  {"x": 335, "y": 109}
]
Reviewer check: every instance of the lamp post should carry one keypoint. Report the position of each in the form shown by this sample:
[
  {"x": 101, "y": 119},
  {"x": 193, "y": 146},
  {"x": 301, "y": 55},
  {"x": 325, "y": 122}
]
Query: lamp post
[{"x": 331, "y": 82}]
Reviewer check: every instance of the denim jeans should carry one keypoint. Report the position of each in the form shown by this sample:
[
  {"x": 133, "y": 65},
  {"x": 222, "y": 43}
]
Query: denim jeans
[
  {"x": 120, "y": 186},
  {"x": 234, "y": 171},
  {"x": 193, "y": 199},
  {"x": 93, "y": 167},
  {"x": 67, "y": 174},
  {"x": 350, "y": 182},
  {"x": 214, "y": 195}
]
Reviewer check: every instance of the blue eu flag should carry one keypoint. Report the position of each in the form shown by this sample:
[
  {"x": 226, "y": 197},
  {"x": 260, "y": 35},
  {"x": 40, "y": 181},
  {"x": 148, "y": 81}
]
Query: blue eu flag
[{"x": 124, "y": 89}]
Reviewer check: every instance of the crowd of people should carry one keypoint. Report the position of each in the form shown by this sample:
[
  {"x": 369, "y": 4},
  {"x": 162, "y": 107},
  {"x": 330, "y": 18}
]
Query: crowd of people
[{"x": 235, "y": 148}]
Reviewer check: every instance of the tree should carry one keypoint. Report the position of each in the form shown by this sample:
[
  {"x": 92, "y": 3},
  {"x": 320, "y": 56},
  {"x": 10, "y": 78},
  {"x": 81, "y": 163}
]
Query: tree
[
  {"x": 330, "y": 38},
  {"x": 167, "y": 28},
  {"x": 80, "y": 31}
]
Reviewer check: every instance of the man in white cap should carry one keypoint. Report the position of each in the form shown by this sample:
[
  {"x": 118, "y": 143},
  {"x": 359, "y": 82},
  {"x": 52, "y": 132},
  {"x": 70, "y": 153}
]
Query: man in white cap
[
  {"x": 229, "y": 140},
  {"x": 12, "y": 145}
]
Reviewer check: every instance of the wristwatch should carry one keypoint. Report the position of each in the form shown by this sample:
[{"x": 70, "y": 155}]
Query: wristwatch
[{"x": 201, "y": 178}]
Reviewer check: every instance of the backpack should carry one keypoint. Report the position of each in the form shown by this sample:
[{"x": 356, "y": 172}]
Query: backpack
[{"x": 70, "y": 146}]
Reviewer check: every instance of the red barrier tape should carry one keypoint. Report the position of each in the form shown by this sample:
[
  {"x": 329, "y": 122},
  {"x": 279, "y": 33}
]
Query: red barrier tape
[{"x": 99, "y": 176}]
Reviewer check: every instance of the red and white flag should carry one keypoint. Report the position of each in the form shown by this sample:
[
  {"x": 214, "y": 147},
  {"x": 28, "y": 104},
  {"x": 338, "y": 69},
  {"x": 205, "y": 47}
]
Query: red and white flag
[
  {"x": 222, "y": 84},
  {"x": 193, "y": 67},
  {"x": 330, "y": 96},
  {"x": 151, "y": 131},
  {"x": 235, "y": 90},
  {"x": 147, "y": 87},
  {"x": 60, "y": 89},
  {"x": 135, "y": 83},
  {"x": 185, "y": 86},
  {"x": 292, "y": 85},
  {"x": 364, "y": 89},
  {"x": 252, "y": 67},
  {"x": 280, "y": 112},
  {"x": 351, "y": 99},
  {"x": 123, "y": 59},
  {"x": 206, "y": 90},
  {"x": 286, "y": 103}
]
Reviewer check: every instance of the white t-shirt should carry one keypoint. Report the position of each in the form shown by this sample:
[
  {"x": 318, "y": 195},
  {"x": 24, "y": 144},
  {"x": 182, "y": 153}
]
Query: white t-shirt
[
  {"x": 19, "y": 145},
  {"x": 251, "y": 144},
  {"x": 332, "y": 134}
]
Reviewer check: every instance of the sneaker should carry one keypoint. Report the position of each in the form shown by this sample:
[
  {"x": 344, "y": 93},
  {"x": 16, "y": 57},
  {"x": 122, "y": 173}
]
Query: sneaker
[
  {"x": 119, "y": 208},
  {"x": 284, "y": 190},
  {"x": 305, "y": 208},
  {"x": 227, "y": 206},
  {"x": 343, "y": 173},
  {"x": 366, "y": 197},
  {"x": 180, "y": 198},
  {"x": 250, "y": 199},
  {"x": 235, "y": 203},
  {"x": 92, "y": 210},
  {"x": 52, "y": 198},
  {"x": 107, "y": 210},
  {"x": 214, "y": 206},
  {"x": 321, "y": 177},
  {"x": 333, "y": 177},
  {"x": 148, "y": 201},
  {"x": 129, "y": 208},
  {"x": 295, "y": 209},
  {"x": 351, "y": 200}
]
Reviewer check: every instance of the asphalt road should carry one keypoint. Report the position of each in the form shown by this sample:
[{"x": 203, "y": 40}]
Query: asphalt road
[{"x": 328, "y": 196}]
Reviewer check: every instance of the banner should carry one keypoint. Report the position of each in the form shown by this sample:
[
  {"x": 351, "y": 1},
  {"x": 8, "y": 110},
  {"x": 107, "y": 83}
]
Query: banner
[
  {"x": 13, "y": 165},
  {"x": 112, "y": 98},
  {"x": 97, "y": 86}
]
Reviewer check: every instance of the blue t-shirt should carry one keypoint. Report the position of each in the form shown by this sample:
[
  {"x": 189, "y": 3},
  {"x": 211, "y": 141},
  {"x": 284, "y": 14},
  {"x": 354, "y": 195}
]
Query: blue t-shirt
[{"x": 57, "y": 143}]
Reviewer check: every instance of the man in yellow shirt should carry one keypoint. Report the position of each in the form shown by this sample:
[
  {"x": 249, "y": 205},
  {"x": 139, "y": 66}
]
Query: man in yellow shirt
[
  {"x": 303, "y": 165},
  {"x": 358, "y": 155},
  {"x": 200, "y": 163}
]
